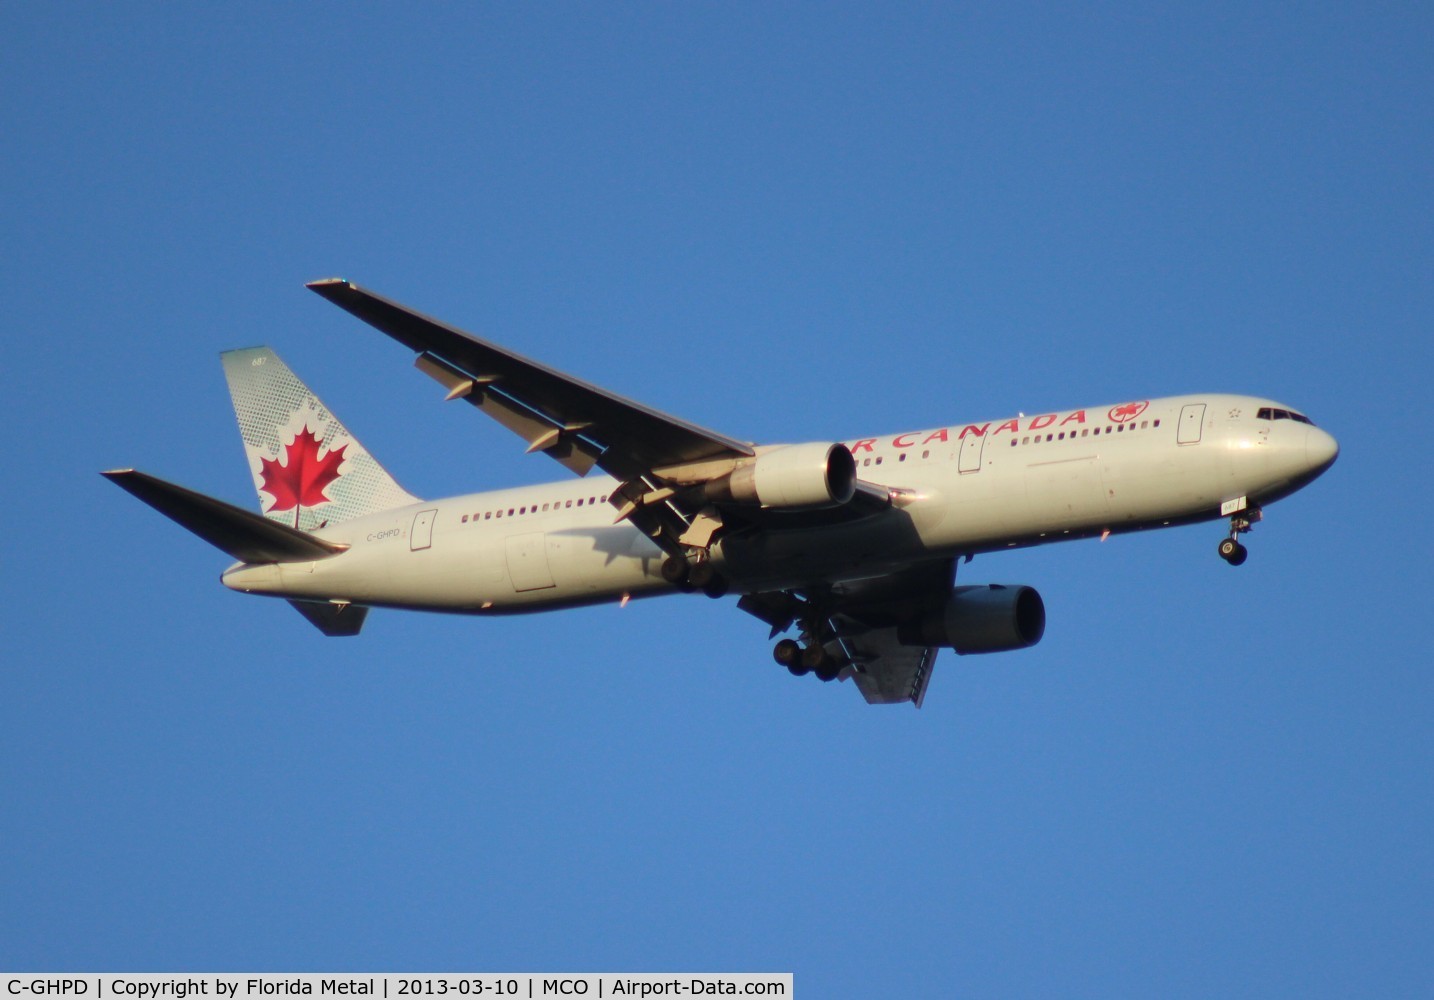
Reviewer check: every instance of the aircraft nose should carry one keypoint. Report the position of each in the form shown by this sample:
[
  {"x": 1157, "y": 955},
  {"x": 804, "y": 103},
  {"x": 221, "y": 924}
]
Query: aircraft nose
[{"x": 1321, "y": 449}]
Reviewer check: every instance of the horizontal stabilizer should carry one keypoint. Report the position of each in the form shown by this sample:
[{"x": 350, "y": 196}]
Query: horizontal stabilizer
[
  {"x": 244, "y": 535},
  {"x": 332, "y": 619}
]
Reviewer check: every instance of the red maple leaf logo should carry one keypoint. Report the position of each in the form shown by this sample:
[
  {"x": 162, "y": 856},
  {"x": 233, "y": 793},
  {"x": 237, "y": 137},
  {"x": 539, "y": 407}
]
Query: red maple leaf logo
[
  {"x": 1127, "y": 411},
  {"x": 302, "y": 478}
]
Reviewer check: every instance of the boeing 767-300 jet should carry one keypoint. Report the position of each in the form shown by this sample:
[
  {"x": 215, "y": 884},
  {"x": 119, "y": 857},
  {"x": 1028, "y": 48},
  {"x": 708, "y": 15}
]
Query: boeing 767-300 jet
[{"x": 855, "y": 543}]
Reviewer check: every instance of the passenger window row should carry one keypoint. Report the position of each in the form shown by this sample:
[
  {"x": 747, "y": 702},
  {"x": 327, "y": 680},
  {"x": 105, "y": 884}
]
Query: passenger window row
[
  {"x": 1085, "y": 432},
  {"x": 900, "y": 457},
  {"x": 489, "y": 515}
]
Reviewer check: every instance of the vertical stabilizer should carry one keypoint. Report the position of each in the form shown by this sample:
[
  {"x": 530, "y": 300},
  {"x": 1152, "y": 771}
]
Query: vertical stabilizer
[{"x": 308, "y": 469}]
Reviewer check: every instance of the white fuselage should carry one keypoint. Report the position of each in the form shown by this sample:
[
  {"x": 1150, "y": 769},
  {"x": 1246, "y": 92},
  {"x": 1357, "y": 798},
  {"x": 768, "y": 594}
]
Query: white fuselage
[{"x": 957, "y": 490}]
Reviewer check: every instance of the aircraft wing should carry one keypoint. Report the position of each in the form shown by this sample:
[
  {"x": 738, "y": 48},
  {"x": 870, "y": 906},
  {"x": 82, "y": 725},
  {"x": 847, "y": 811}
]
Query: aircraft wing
[{"x": 579, "y": 424}]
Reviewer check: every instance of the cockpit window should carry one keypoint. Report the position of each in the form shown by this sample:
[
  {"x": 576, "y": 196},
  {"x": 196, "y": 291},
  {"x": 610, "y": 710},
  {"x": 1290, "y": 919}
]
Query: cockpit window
[{"x": 1271, "y": 413}]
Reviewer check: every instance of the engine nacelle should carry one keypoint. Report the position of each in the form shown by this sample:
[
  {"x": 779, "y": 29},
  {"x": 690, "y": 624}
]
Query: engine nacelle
[
  {"x": 992, "y": 618},
  {"x": 798, "y": 475}
]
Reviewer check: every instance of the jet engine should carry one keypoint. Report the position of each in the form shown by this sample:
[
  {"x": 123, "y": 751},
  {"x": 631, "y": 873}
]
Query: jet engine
[
  {"x": 992, "y": 618},
  {"x": 797, "y": 475}
]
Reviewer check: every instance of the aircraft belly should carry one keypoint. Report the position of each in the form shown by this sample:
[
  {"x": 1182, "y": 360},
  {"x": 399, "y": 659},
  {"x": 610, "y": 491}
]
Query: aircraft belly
[{"x": 777, "y": 560}]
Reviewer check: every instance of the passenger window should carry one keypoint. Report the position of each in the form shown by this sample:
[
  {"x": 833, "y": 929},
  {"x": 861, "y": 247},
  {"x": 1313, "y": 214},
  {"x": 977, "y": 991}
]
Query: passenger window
[
  {"x": 878, "y": 459},
  {"x": 568, "y": 504},
  {"x": 926, "y": 454},
  {"x": 580, "y": 501}
]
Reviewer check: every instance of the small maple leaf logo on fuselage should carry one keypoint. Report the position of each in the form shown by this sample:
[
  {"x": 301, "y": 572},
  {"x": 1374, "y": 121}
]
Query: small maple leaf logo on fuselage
[
  {"x": 1126, "y": 412},
  {"x": 301, "y": 480}
]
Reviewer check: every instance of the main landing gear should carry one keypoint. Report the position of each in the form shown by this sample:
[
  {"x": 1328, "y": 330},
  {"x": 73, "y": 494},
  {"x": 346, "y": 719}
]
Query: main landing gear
[
  {"x": 694, "y": 573},
  {"x": 1230, "y": 548},
  {"x": 809, "y": 659}
]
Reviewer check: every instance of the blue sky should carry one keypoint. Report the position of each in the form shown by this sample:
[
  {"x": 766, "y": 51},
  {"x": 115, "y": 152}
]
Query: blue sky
[{"x": 786, "y": 222}]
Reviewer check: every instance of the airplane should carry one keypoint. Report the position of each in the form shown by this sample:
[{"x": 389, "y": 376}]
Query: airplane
[{"x": 855, "y": 543}]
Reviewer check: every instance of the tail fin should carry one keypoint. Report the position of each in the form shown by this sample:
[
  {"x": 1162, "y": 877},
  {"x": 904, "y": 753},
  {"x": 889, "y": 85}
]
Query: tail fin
[{"x": 308, "y": 469}]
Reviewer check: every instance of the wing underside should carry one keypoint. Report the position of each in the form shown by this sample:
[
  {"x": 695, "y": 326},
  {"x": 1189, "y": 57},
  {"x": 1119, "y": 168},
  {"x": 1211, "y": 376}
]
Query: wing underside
[{"x": 885, "y": 671}]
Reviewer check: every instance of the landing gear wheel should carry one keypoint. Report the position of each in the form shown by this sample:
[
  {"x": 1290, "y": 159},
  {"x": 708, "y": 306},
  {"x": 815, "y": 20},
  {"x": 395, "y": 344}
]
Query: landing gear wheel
[
  {"x": 675, "y": 569},
  {"x": 813, "y": 657},
  {"x": 828, "y": 670},
  {"x": 701, "y": 574},
  {"x": 789, "y": 655},
  {"x": 716, "y": 587},
  {"x": 1233, "y": 552}
]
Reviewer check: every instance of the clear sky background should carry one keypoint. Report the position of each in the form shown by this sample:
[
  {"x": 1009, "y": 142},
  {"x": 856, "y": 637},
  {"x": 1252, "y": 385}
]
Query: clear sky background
[{"x": 785, "y": 222}]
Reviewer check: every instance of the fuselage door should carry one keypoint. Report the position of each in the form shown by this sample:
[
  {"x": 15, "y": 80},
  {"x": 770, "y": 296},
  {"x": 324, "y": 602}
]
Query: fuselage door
[
  {"x": 1191, "y": 417},
  {"x": 528, "y": 562},
  {"x": 422, "y": 535},
  {"x": 971, "y": 449}
]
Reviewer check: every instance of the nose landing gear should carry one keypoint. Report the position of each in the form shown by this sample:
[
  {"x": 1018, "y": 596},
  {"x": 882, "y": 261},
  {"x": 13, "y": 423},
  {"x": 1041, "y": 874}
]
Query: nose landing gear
[
  {"x": 1233, "y": 552},
  {"x": 1230, "y": 548}
]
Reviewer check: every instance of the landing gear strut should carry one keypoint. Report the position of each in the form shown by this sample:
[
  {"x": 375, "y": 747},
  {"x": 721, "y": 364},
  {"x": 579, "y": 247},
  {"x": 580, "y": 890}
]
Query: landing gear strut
[{"x": 1230, "y": 548}]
